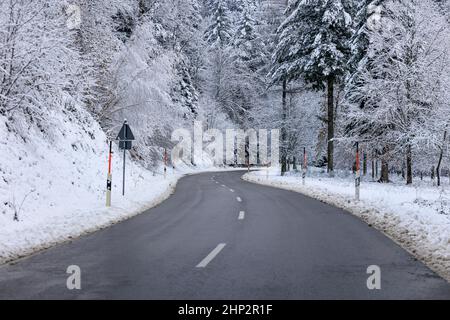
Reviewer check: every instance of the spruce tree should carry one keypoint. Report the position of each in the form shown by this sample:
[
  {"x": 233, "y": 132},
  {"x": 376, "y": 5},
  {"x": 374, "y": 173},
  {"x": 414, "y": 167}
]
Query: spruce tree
[
  {"x": 248, "y": 43},
  {"x": 314, "y": 44},
  {"x": 218, "y": 33}
]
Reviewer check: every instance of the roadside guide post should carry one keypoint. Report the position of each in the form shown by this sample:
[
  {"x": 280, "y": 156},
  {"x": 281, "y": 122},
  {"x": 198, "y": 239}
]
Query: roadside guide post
[
  {"x": 357, "y": 174},
  {"x": 109, "y": 177},
  {"x": 304, "y": 167},
  {"x": 165, "y": 162}
]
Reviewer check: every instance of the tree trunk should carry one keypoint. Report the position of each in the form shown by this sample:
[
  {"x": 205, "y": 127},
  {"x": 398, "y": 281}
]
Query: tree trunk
[
  {"x": 384, "y": 178},
  {"x": 294, "y": 164},
  {"x": 373, "y": 170},
  {"x": 432, "y": 175},
  {"x": 384, "y": 175},
  {"x": 330, "y": 122},
  {"x": 409, "y": 177},
  {"x": 364, "y": 163},
  {"x": 376, "y": 169},
  {"x": 441, "y": 154},
  {"x": 283, "y": 130}
]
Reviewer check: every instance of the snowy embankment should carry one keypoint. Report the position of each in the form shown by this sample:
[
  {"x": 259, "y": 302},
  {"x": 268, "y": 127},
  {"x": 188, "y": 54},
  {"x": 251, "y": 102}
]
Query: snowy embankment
[
  {"x": 53, "y": 184},
  {"x": 417, "y": 217}
]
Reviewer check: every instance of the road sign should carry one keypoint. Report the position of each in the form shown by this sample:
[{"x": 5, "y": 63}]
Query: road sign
[{"x": 125, "y": 138}]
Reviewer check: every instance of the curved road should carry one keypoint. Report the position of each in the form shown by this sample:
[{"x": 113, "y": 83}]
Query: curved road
[{"x": 219, "y": 237}]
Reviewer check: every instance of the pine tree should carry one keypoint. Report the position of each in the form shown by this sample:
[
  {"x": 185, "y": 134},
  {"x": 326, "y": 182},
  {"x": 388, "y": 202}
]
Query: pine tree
[
  {"x": 366, "y": 12},
  {"x": 218, "y": 33},
  {"x": 185, "y": 92},
  {"x": 314, "y": 45},
  {"x": 248, "y": 43}
]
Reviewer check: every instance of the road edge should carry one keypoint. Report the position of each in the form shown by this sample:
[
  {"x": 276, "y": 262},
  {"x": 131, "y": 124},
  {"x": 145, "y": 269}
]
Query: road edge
[
  {"x": 14, "y": 257},
  {"x": 366, "y": 214}
]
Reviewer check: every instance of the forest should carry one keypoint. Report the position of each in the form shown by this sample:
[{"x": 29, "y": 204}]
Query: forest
[{"x": 327, "y": 73}]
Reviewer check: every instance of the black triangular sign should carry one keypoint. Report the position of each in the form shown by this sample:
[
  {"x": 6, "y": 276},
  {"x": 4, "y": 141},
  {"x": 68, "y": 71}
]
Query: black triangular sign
[{"x": 125, "y": 133}]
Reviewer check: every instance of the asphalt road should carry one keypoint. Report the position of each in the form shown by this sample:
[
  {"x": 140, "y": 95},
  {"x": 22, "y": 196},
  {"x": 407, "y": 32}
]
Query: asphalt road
[{"x": 203, "y": 243}]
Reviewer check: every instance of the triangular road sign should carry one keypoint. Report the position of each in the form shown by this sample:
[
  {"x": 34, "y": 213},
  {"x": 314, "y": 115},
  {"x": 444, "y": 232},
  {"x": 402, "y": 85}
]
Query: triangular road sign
[{"x": 125, "y": 133}]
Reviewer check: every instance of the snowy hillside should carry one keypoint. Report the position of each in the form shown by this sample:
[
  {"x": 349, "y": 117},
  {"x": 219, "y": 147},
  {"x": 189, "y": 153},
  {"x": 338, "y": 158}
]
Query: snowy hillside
[{"x": 53, "y": 184}]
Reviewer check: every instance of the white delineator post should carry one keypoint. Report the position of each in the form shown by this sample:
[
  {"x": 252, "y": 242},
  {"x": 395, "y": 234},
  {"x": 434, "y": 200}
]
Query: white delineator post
[
  {"x": 109, "y": 177},
  {"x": 357, "y": 174},
  {"x": 304, "y": 167}
]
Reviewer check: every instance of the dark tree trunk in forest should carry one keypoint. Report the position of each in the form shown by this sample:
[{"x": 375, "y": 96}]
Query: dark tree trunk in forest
[
  {"x": 294, "y": 163},
  {"x": 384, "y": 171},
  {"x": 330, "y": 122},
  {"x": 283, "y": 130},
  {"x": 376, "y": 169},
  {"x": 384, "y": 176},
  {"x": 373, "y": 170},
  {"x": 409, "y": 176},
  {"x": 441, "y": 154},
  {"x": 364, "y": 163}
]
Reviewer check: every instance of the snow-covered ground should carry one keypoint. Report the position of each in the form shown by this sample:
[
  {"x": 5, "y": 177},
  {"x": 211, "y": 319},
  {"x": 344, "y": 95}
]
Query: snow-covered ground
[
  {"x": 54, "y": 183},
  {"x": 417, "y": 217}
]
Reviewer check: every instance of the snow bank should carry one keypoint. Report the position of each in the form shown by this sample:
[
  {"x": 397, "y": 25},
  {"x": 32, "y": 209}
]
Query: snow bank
[
  {"x": 417, "y": 218},
  {"x": 54, "y": 182}
]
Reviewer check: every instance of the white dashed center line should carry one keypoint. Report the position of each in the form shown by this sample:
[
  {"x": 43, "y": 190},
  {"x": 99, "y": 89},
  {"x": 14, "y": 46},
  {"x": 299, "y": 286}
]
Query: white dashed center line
[
  {"x": 239, "y": 199},
  {"x": 241, "y": 215},
  {"x": 231, "y": 190},
  {"x": 211, "y": 255}
]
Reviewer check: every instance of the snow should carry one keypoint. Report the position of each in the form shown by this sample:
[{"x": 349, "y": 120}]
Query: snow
[
  {"x": 417, "y": 218},
  {"x": 55, "y": 182}
]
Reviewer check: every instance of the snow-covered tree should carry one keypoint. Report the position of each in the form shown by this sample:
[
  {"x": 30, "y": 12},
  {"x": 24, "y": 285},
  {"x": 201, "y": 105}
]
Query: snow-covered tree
[
  {"x": 368, "y": 13},
  {"x": 314, "y": 45},
  {"x": 399, "y": 93},
  {"x": 248, "y": 45},
  {"x": 219, "y": 32},
  {"x": 40, "y": 68}
]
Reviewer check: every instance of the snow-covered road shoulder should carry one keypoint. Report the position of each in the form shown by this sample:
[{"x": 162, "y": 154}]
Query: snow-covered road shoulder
[
  {"x": 28, "y": 236},
  {"x": 418, "y": 219}
]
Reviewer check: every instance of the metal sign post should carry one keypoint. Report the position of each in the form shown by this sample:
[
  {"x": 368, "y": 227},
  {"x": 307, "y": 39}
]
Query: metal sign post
[
  {"x": 123, "y": 179},
  {"x": 304, "y": 167},
  {"x": 109, "y": 178},
  {"x": 125, "y": 138},
  {"x": 357, "y": 174}
]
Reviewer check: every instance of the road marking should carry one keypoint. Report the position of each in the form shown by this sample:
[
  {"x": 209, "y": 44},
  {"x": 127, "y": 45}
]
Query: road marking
[
  {"x": 217, "y": 182},
  {"x": 241, "y": 215},
  {"x": 224, "y": 186},
  {"x": 239, "y": 199},
  {"x": 231, "y": 190},
  {"x": 211, "y": 255}
]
